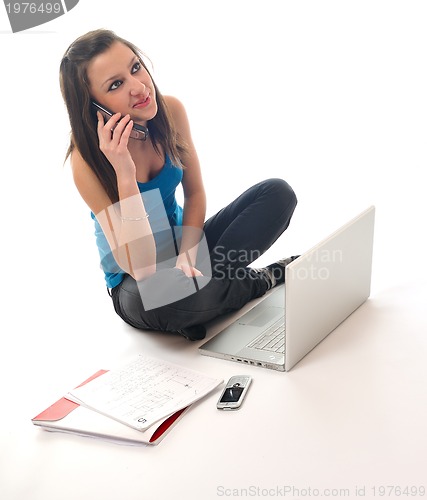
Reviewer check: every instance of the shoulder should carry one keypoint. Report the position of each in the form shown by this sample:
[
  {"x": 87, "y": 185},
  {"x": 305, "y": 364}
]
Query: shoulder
[
  {"x": 192, "y": 180},
  {"x": 174, "y": 104},
  {"x": 178, "y": 113}
]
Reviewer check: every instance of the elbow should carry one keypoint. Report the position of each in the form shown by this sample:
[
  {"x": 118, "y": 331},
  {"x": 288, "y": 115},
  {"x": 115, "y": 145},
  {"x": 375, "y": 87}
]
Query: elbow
[
  {"x": 139, "y": 269},
  {"x": 143, "y": 273}
]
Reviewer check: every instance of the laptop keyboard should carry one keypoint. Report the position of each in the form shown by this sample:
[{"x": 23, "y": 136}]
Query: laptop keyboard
[{"x": 272, "y": 339}]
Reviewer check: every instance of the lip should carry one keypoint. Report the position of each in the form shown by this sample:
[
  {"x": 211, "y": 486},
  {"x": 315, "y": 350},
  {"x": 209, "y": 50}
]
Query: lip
[{"x": 142, "y": 103}]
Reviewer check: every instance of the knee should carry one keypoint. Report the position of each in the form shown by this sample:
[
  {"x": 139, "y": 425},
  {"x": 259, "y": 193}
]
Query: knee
[{"x": 281, "y": 193}]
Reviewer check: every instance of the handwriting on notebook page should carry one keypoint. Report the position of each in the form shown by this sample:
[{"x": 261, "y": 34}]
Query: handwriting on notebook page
[{"x": 144, "y": 390}]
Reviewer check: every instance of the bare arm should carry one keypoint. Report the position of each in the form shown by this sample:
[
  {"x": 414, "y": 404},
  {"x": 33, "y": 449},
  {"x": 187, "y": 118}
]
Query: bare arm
[
  {"x": 194, "y": 193},
  {"x": 125, "y": 224}
]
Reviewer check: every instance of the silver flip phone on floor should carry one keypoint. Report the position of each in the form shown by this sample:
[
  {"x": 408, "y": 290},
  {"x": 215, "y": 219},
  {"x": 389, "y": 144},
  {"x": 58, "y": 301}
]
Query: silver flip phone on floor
[{"x": 234, "y": 393}]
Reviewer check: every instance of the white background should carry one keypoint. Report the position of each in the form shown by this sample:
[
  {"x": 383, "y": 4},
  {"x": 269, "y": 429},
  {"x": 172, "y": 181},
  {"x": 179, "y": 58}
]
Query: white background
[{"x": 330, "y": 95}]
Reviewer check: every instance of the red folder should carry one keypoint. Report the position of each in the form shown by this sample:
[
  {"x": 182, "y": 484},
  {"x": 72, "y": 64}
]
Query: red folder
[{"x": 69, "y": 417}]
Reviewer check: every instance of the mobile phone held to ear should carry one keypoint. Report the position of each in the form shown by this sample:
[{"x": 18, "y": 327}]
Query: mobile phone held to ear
[
  {"x": 138, "y": 132},
  {"x": 234, "y": 392}
]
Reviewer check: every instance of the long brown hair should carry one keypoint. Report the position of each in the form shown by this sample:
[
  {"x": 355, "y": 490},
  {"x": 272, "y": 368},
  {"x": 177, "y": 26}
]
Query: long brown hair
[{"x": 74, "y": 85}]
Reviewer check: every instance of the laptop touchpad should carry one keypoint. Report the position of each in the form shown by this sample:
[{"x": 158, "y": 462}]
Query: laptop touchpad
[{"x": 257, "y": 317}]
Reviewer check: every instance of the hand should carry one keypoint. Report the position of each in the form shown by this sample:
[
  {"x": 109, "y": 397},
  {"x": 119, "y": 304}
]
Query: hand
[
  {"x": 188, "y": 270},
  {"x": 113, "y": 142}
]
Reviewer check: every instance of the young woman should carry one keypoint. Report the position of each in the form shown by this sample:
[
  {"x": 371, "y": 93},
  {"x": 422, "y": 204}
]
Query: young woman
[{"x": 166, "y": 268}]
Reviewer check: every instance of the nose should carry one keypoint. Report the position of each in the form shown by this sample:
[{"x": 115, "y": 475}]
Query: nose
[{"x": 137, "y": 87}]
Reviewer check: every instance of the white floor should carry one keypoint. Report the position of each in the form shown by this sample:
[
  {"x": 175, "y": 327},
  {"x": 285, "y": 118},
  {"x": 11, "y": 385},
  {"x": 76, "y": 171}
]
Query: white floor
[
  {"x": 328, "y": 95},
  {"x": 350, "y": 415}
]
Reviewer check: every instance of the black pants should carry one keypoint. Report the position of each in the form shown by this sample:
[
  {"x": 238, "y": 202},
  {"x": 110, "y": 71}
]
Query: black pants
[{"x": 236, "y": 236}]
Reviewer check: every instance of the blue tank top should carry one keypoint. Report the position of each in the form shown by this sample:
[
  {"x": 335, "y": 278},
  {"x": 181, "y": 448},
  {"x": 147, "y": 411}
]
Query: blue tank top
[{"x": 160, "y": 202}]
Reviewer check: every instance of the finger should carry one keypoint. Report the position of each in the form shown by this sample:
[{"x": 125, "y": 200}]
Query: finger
[
  {"x": 186, "y": 270},
  {"x": 105, "y": 128},
  {"x": 113, "y": 123},
  {"x": 126, "y": 132},
  {"x": 193, "y": 272},
  {"x": 100, "y": 121},
  {"x": 119, "y": 127},
  {"x": 122, "y": 124},
  {"x": 122, "y": 131},
  {"x": 103, "y": 135}
]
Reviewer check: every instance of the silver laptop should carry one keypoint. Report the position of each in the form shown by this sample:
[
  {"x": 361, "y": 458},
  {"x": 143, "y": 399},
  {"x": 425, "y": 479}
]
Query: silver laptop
[{"x": 322, "y": 288}]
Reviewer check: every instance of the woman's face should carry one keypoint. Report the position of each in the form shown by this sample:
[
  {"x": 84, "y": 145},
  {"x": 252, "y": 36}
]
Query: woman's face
[{"x": 120, "y": 83}]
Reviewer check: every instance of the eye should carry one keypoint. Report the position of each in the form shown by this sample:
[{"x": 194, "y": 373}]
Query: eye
[
  {"x": 115, "y": 85},
  {"x": 136, "y": 67}
]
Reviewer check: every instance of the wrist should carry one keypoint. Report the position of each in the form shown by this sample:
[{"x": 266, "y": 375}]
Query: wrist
[{"x": 127, "y": 186}]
